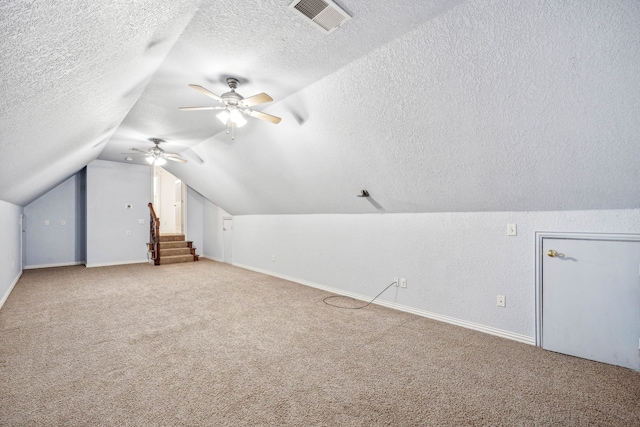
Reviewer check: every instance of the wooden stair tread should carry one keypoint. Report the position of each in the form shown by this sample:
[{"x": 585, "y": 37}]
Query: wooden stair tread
[
  {"x": 174, "y": 259},
  {"x": 171, "y": 245},
  {"x": 174, "y": 251},
  {"x": 172, "y": 237}
]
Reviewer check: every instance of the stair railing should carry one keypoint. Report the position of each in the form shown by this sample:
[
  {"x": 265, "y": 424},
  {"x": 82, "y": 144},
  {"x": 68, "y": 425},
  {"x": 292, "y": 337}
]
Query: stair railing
[{"x": 154, "y": 235}]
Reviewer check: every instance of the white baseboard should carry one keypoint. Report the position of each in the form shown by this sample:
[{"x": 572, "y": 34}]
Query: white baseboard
[
  {"x": 108, "y": 264},
  {"x": 465, "y": 324},
  {"x": 60, "y": 264},
  {"x": 452, "y": 320},
  {"x": 212, "y": 258},
  {"x": 6, "y": 295}
]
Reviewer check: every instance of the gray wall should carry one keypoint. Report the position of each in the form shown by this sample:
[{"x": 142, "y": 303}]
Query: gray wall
[
  {"x": 195, "y": 219},
  {"x": 455, "y": 263},
  {"x": 204, "y": 225},
  {"x": 110, "y": 187},
  {"x": 57, "y": 244},
  {"x": 213, "y": 230},
  {"x": 10, "y": 250}
]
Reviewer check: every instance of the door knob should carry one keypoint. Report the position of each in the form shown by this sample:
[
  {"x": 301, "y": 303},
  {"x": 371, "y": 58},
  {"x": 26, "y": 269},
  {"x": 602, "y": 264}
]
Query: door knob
[{"x": 553, "y": 253}]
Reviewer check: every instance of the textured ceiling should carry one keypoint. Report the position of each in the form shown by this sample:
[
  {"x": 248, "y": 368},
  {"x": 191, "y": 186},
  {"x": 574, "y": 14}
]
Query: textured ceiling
[
  {"x": 436, "y": 106},
  {"x": 71, "y": 71},
  {"x": 268, "y": 48}
]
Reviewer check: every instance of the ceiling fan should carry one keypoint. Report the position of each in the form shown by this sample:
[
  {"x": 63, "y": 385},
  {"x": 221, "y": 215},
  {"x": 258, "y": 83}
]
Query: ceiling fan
[
  {"x": 156, "y": 155},
  {"x": 235, "y": 106}
]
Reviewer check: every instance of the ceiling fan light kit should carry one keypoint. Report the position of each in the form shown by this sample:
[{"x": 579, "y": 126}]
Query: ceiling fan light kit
[
  {"x": 157, "y": 161},
  {"x": 233, "y": 117},
  {"x": 235, "y": 106}
]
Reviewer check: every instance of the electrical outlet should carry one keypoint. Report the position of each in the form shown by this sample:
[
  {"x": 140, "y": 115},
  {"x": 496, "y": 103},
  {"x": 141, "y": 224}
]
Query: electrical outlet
[
  {"x": 512, "y": 230},
  {"x": 502, "y": 301},
  {"x": 13, "y": 264},
  {"x": 396, "y": 280},
  {"x": 273, "y": 258},
  {"x": 141, "y": 221},
  {"x": 403, "y": 282}
]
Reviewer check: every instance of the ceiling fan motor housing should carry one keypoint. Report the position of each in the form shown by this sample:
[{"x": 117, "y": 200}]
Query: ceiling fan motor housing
[
  {"x": 157, "y": 150},
  {"x": 233, "y": 82},
  {"x": 232, "y": 98}
]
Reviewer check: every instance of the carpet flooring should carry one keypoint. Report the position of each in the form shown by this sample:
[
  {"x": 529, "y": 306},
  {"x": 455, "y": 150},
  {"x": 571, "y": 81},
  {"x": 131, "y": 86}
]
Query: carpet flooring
[{"x": 209, "y": 344}]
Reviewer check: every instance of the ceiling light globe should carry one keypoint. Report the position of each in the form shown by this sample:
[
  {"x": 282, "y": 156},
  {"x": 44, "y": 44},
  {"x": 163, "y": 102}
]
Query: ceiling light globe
[
  {"x": 223, "y": 116},
  {"x": 236, "y": 117}
]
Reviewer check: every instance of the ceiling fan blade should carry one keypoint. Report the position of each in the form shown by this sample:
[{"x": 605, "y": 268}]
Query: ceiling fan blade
[
  {"x": 264, "y": 116},
  {"x": 175, "y": 159},
  {"x": 172, "y": 155},
  {"x": 138, "y": 151},
  {"x": 260, "y": 98},
  {"x": 197, "y": 108},
  {"x": 206, "y": 92}
]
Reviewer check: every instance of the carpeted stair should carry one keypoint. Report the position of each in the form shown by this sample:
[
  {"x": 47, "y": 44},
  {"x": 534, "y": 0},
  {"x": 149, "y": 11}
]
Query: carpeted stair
[{"x": 174, "y": 249}]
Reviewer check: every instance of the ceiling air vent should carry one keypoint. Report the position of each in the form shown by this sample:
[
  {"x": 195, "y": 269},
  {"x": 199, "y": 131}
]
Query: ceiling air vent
[{"x": 323, "y": 14}]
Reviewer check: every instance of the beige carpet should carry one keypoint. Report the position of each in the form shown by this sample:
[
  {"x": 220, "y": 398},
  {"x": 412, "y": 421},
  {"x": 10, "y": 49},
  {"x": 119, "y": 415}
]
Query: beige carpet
[{"x": 209, "y": 344}]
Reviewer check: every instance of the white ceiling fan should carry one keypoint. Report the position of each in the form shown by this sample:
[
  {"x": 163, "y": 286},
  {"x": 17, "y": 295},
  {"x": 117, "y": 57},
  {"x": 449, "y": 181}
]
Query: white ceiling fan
[
  {"x": 235, "y": 106},
  {"x": 156, "y": 155}
]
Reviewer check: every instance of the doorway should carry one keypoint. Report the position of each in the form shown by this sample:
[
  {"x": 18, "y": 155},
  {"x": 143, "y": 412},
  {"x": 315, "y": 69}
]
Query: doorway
[
  {"x": 168, "y": 201},
  {"x": 588, "y": 296}
]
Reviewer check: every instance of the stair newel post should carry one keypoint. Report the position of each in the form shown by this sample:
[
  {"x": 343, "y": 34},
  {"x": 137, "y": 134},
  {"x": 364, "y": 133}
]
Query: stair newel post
[{"x": 154, "y": 234}]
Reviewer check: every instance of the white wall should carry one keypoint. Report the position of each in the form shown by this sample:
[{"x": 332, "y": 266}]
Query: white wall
[
  {"x": 213, "y": 215},
  {"x": 110, "y": 187},
  {"x": 195, "y": 219},
  {"x": 10, "y": 250},
  {"x": 56, "y": 244},
  {"x": 455, "y": 263}
]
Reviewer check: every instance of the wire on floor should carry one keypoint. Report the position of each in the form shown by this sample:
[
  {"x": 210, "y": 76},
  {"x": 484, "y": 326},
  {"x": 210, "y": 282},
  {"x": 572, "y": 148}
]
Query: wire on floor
[{"x": 355, "y": 308}]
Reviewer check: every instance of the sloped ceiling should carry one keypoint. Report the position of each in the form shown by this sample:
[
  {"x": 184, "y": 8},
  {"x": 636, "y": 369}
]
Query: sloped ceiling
[{"x": 434, "y": 106}]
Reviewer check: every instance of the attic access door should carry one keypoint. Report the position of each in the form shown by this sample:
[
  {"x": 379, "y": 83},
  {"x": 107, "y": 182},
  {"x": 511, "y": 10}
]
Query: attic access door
[{"x": 590, "y": 297}]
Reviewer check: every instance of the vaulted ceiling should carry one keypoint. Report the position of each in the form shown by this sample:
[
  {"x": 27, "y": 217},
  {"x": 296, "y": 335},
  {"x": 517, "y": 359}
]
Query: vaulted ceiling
[{"x": 439, "y": 105}]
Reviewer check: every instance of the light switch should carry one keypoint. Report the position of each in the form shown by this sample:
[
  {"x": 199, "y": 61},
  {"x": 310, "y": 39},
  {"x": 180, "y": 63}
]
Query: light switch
[
  {"x": 63, "y": 222},
  {"x": 46, "y": 222},
  {"x": 511, "y": 230}
]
